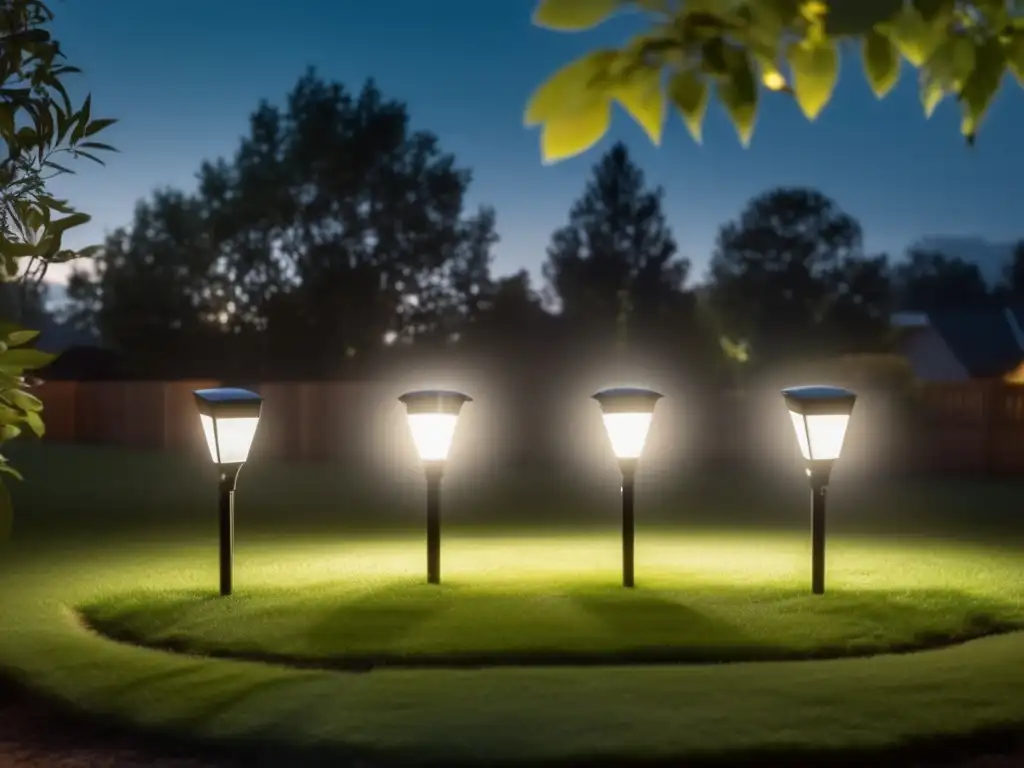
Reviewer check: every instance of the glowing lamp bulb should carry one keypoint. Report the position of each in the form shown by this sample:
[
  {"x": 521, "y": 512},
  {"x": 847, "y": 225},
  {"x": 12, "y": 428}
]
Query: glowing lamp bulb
[
  {"x": 432, "y": 416},
  {"x": 627, "y": 415},
  {"x": 229, "y": 418},
  {"x": 820, "y": 416}
]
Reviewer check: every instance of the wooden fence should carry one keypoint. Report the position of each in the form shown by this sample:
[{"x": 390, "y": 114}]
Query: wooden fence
[{"x": 972, "y": 427}]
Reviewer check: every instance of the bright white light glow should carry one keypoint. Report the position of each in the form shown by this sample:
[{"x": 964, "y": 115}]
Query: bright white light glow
[
  {"x": 234, "y": 434},
  {"x": 627, "y": 432},
  {"x": 822, "y": 439},
  {"x": 432, "y": 433}
]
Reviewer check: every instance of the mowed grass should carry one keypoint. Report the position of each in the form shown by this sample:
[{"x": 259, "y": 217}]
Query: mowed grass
[
  {"x": 506, "y": 600},
  {"x": 129, "y": 542}
]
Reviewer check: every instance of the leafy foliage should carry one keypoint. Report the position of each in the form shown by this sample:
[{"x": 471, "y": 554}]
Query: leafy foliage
[
  {"x": 40, "y": 128},
  {"x": 694, "y": 50}
]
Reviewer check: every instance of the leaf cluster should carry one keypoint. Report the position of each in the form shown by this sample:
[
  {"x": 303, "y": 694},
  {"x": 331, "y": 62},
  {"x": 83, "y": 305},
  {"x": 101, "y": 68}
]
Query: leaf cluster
[{"x": 733, "y": 51}]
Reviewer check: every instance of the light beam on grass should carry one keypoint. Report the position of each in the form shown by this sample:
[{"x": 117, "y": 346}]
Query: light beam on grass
[
  {"x": 627, "y": 416},
  {"x": 820, "y": 416},
  {"x": 433, "y": 416},
  {"x": 229, "y": 417}
]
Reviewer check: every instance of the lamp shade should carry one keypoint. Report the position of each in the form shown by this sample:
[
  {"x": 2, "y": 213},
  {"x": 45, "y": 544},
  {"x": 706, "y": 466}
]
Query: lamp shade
[
  {"x": 432, "y": 415},
  {"x": 820, "y": 416},
  {"x": 229, "y": 417},
  {"x": 627, "y": 414}
]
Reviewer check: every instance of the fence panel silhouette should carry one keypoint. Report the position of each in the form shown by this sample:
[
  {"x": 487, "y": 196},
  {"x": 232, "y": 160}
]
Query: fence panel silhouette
[{"x": 962, "y": 427}]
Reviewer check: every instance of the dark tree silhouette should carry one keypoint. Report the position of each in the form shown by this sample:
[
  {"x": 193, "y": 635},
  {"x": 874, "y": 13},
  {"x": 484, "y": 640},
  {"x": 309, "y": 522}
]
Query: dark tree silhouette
[
  {"x": 1013, "y": 275},
  {"x": 156, "y": 292},
  {"x": 790, "y": 277},
  {"x": 929, "y": 280},
  {"x": 617, "y": 255},
  {"x": 334, "y": 227}
]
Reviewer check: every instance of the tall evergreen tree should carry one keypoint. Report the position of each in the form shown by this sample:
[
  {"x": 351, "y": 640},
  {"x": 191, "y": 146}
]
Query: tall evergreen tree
[{"x": 615, "y": 263}]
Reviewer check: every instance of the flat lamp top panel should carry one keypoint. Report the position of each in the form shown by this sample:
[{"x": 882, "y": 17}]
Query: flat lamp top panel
[
  {"x": 434, "y": 401},
  {"x": 819, "y": 399},
  {"x": 228, "y": 395},
  {"x": 627, "y": 400},
  {"x": 228, "y": 401}
]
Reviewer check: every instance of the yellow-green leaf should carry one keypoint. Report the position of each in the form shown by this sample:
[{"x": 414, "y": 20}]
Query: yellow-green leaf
[
  {"x": 738, "y": 94},
  {"x": 573, "y": 15},
  {"x": 881, "y": 63},
  {"x": 19, "y": 337},
  {"x": 1015, "y": 55},
  {"x": 35, "y": 423},
  {"x": 979, "y": 89},
  {"x": 570, "y": 134},
  {"x": 26, "y": 401},
  {"x": 566, "y": 90},
  {"x": 915, "y": 38},
  {"x": 815, "y": 67},
  {"x": 642, "y": 96},
  {"x": 690, "y": 95},
  {"x": 932, "y": 94}
]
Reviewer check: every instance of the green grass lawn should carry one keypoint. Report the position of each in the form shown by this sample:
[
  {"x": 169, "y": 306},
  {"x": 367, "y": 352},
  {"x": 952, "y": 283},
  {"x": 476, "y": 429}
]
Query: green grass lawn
[
  {"x": 518, "y": 599},
  {"x": 331, "y": 584}
]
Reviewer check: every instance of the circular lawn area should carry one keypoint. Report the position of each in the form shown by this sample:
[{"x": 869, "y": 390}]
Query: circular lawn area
[
  {"x": 333, "y": 649},
  {"x": 324, "y": 606}
]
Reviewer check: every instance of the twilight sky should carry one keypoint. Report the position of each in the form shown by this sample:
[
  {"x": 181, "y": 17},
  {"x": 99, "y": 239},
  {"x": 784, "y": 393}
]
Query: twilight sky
[{"x": 183, "y": 76}]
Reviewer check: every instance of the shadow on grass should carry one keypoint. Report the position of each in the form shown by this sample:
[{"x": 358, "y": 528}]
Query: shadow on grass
[
  {"x": 380, "y": 617},
  {"x": 675, "y": 632}
]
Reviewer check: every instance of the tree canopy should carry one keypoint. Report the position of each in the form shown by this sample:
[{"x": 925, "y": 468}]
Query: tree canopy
[
  {"x": 692, "y": 52},
  {"x": 615, "y": 263},
  {"x": 333, "y": 228},
  {"x": 790, "y": 275}
]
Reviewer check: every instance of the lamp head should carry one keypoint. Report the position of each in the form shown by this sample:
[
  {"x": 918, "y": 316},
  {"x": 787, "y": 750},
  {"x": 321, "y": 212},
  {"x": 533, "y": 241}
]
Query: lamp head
[
  {"x": 627, "y": 414},
  {"x": 432, "y": 415},
  {"x": 820, "y": 415},
  {"x": 229, "y": 417}
]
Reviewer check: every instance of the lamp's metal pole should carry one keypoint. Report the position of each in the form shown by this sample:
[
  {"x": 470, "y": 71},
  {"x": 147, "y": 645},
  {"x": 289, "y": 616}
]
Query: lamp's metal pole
[
  {"x": 228, "y": 479},
  {"x": 628, "y": 524},
  {"x": 434, "y": 472},
  {"x": 818, "y": 538}
]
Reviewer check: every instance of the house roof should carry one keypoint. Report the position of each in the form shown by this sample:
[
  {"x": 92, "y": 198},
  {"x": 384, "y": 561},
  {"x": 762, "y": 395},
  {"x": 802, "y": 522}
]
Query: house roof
[{"x": 987, "y": 341}]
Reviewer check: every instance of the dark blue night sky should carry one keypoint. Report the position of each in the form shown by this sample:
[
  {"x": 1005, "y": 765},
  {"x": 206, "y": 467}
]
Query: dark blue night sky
[{"x": 183, "y": 75}]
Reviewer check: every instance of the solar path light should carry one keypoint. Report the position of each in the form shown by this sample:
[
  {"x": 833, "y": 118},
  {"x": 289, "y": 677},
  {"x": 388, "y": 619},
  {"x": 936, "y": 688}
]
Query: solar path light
[
  {"x": 627, "y": 418},
  {"x": 432, "y": 416},
  {"x": 229, "y": 417},
  {"x": 820, "y": 416}
]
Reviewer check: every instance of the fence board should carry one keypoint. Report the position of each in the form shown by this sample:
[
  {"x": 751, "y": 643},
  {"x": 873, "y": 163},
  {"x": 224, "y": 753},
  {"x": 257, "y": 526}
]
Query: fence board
[{"x": 975, "y": 426}]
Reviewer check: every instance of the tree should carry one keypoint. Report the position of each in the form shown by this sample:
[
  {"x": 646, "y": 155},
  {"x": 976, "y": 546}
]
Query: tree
[
  {"x": 1013, "y": 277},
  {"x": 789, "y": 276},
  {"x": 930, "y": 280},
  {"x": 692, "y": 51},
  {"x": 333, "y": 227},
  {"x": 156, "y": 292},
  {"x": 616, "y": 259},
  {"x": 39, "y": 128}
]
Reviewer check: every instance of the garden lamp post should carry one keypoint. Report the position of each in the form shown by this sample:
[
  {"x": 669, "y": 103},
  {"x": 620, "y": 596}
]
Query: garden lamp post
[
  {"x": 820, "y": 416},
  {"x": 229, "y": 417},
  {"x": 627, "y": 418},
  {"x": 432, "y": 416}
]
